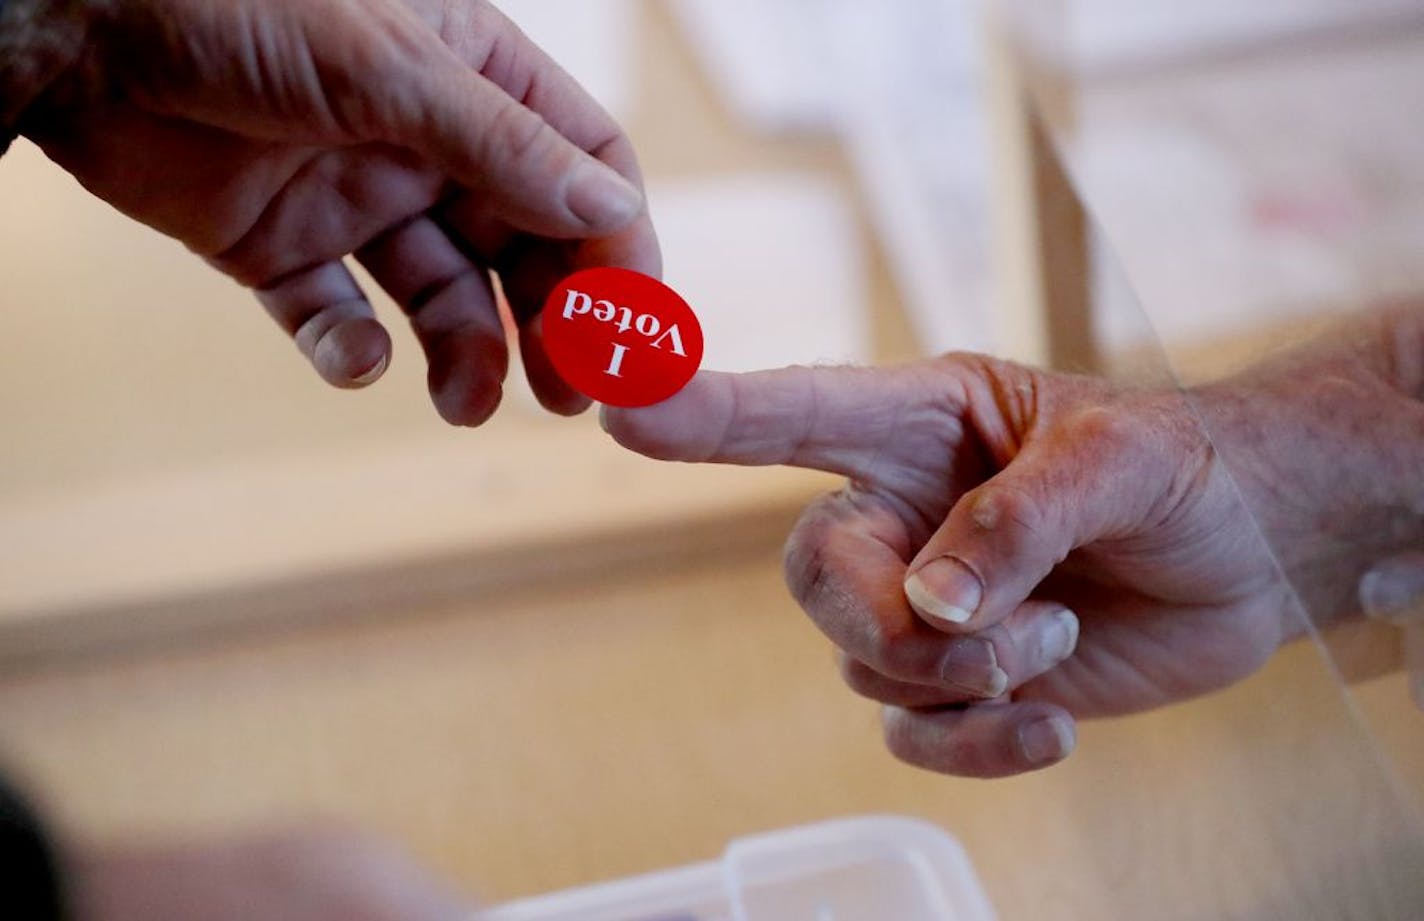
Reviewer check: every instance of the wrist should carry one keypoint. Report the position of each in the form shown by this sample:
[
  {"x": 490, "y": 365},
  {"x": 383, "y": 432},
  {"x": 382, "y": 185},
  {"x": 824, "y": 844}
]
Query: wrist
[
  {"x": 40, "y": 41},
  {"x": 1326, "y": 444}
]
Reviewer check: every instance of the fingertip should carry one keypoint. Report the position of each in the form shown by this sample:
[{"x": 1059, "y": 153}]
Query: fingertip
[
  {"x": 560, "y": 399},
  {"x": 626, "y": 427},
  {"x": 468, "y": 407},
  {"x": 354, "y": 353},
  {"x": 552, "y": 392},
  {"x": 466, "y": 378},
  {"x": 681, "y": 428}
]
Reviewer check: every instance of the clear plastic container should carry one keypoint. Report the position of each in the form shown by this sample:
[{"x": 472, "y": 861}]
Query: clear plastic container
[{"x": 872, "y": 868}]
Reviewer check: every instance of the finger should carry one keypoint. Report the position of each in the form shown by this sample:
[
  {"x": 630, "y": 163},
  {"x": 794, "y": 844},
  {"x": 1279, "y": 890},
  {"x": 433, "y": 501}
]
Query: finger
[
  {"x": 452, "y": 310},
  {"x": 502, "y": 53},
  {"x": 1038, "y": 637},
  {"x": 532, "y": 274},
  {"x": 869, "y": 683},
  {"x": 845, "y": 563},
  {"x": 1083, "y": 482},
  {"x": 1393, "y": 590},
  {"x": 333, "y": 324},
  {"x": 529, "y": 268},
  {"x": 524, "y": 71},
  {"x": 490, "y": 43},
  {"x": 553, "y": 393},
  {"x": 839, "y": 420},
  {"x": 984, "y": 740}
]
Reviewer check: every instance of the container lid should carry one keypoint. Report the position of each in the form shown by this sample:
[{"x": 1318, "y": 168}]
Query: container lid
[{"x": 868, "y": 868}]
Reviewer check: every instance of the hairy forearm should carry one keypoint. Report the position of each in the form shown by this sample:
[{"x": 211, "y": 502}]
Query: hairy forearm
[
  {"x": 39, "y": 41},
  {"x": 1326, "y": 443}
]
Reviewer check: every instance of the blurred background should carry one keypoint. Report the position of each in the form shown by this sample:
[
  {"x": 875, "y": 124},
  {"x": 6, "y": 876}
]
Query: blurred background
[{"x": 231, "y": 597}]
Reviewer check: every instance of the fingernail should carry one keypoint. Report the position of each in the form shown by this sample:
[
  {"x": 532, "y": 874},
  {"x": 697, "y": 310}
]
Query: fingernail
[
  {"x": 1394, "y": 591},
  {"x": 603, "y": 199},
  {"x": 371, "y": 376},
  {"x": 1060, "y": 638},
  {"x": 972, "y": 665},
  {"x": 944, "y": 590},
  {"x": 603, "y": 422},
  {"x": 1046, "y": 740}
]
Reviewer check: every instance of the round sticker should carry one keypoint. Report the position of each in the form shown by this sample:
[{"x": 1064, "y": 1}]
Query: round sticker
[{"x": 621, "y": 337}]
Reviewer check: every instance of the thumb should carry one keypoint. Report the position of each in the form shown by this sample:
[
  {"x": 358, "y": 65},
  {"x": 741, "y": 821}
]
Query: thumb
[
  {"x": 1077, "y": 484},
  {"x": 490, "y": 142}
]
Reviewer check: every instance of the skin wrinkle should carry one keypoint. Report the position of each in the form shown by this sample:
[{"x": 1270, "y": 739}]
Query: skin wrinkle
[
  {"x": 423, "y": 297},
  {"x": 244, "y": 224},
  {"x": 498, "y": 65},
  {"x": 723, "y": 438},
  {"x": 312, "y": 74},
  {"x": 225, "y": 258},
  {"x": 448, "y": 266},
  {"x": 466, "y": 33},
  {"x": 810, "y": 420},
  {"x": 999, "y": 439},
  {"x": 1102, "y": 673},
  {"x": 865, "y": 474},
  {"x": 520, "y": 141},
  {"x": 906, "y": 497},
  {"x": 1321, "y": 551},
  {"x": 354, "y": 193},
  {"x": 395, "y": 55},
  {"x": 1190, "y": 478}
]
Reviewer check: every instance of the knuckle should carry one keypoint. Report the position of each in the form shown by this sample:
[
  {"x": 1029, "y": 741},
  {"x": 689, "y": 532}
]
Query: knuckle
[
  {"x": 1107, "y": 427},
  {"x": 1003, "y": 505},
  {"x": 522, "y": 137}
]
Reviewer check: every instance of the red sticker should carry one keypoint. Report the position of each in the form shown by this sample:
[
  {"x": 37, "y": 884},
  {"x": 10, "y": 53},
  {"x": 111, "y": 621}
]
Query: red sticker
[{"x": 621, "y": 337}]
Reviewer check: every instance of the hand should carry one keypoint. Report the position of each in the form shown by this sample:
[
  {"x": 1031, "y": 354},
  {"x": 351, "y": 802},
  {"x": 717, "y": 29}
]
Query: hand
[
  {"x": 293, "y": 876},
  {"x": 1014, "y": 548},
  {"x": 1018, "y": 548},
  {"x": 430, "y": 139}
]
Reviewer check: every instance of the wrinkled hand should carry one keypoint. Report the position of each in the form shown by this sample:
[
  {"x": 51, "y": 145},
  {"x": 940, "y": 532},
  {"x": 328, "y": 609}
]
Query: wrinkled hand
[
  {"x": 291, "y": 876},
  {"x": 430, "y": 139},
  {"x": 1014, "y": 549}
]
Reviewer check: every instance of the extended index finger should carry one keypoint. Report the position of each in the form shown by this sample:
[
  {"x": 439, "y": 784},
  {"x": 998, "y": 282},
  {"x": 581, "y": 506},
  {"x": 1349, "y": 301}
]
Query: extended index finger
[{"x": 840, "y": 420}]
